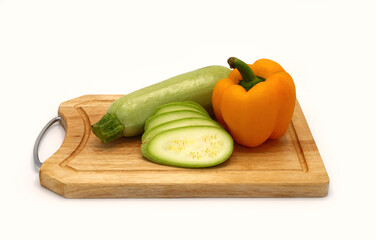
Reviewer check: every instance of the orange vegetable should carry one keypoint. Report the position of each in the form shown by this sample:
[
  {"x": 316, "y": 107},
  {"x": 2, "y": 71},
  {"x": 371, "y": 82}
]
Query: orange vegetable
[{"x": 256, "y": 102}]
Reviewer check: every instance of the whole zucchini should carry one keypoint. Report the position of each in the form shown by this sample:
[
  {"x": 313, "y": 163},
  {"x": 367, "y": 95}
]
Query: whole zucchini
[{"x": 127, "y": 115}]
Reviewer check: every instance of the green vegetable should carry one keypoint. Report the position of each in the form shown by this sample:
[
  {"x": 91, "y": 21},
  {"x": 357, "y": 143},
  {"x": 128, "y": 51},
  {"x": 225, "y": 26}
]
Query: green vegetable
[
  {"x": 192, "y": 146},
  {"x": 173, "y": 138},
  {"x": 127, "y": 115},
  {"x": 171, "y": 116},
  {"x": 184, "y": 122},
  {"x": 198, "y": 106},
  {"x": 180, "y": 106}
]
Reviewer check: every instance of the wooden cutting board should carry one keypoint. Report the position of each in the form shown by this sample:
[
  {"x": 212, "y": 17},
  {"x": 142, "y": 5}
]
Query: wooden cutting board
[{"x": 83, "y": 167}]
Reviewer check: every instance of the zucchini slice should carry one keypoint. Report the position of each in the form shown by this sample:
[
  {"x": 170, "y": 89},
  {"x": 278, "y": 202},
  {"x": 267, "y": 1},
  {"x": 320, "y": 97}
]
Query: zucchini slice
[
  {"x": 195, "y": 104},
  {"x": 171, "y": 116},
  {"x": 184, "y": 122},
  {"x": 178, "y": 106},
  {"x": 192, "y": 147}
]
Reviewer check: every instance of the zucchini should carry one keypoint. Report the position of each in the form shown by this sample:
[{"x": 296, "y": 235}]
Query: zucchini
[
  {"x": 179, "y": 106},
  {"x": 182, "y": 141},
  {"x": 184, "y": 122},
  {"x": 171, "y": 116},
  {"x": 192, "y": 147},
  {"x": 127, "y": 115}
]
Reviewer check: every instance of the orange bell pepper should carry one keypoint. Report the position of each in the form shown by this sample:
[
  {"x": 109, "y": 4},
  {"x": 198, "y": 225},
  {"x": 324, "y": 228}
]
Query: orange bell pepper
[{"x": 256, "y": 102}]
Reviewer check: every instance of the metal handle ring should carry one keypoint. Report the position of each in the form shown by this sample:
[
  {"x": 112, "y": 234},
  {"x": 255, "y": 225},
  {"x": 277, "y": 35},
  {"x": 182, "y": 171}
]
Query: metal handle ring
[{"x": 37, "y": 162}]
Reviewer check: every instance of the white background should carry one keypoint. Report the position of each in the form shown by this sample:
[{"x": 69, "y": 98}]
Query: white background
[{"x": 53, "y": 51}]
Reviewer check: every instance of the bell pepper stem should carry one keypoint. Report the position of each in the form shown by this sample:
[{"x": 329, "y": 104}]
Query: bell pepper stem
[{"x": 249, "y": 79}]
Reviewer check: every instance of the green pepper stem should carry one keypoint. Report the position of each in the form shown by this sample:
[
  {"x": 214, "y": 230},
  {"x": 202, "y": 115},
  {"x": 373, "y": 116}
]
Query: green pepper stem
[
  {"x": 108, "y": 128},
  {"x": 249, "y": 79}
]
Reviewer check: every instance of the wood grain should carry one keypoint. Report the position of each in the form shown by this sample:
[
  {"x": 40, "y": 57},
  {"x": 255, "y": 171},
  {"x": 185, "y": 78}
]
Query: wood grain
[{"x": 83, "y": 167}]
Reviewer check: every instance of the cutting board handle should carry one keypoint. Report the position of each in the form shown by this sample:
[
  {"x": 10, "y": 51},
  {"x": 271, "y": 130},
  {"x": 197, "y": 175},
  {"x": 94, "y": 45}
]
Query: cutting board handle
[{"x": 37, "y": 162}]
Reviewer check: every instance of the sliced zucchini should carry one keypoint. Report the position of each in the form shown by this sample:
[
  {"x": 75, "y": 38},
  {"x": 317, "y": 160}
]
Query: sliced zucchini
[
  {"x": 192, "y": 147},
  {"x": 171, "y": 116},
  {"x": 178, "y": 123},
  {"x": 178, "y": 106},
  {"x": 195, "y": 104}
]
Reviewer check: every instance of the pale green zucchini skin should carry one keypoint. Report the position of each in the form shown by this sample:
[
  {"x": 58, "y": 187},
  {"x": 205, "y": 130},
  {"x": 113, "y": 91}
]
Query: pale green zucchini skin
[{"x": 132, "y": 110}]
